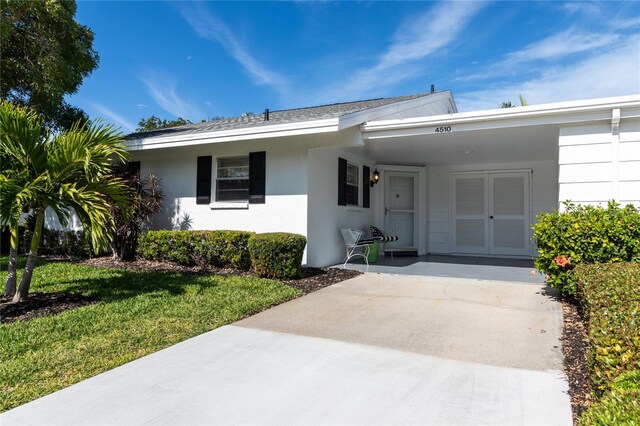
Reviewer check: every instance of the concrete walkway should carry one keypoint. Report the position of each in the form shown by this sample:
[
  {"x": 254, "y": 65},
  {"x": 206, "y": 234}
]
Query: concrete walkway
[{"x": 377, "y": 349}]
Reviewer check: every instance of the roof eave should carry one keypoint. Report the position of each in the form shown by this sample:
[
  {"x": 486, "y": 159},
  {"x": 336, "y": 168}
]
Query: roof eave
[
  {"x": 257, "y": 132},
  {"x": 554, "y": 113}
]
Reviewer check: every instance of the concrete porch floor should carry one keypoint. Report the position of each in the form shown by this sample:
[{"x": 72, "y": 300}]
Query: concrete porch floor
[{"x": 479, "y": 268}]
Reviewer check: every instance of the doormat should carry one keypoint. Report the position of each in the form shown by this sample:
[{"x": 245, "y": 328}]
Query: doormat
[{"x": 402, "y": 253}]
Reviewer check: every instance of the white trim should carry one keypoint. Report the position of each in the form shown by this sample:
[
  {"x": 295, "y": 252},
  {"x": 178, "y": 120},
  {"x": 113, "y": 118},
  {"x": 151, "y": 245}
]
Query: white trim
[
  {"x": 257, "y": 132},
  {"x": 242, "y": 205},
  {"x": 555, "y": 113}
]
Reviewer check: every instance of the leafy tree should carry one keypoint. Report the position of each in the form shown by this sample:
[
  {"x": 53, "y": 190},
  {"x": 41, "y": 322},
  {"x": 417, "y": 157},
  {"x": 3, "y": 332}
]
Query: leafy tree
[
  {"x": 156, "y": 123},
  {"x": 44, "y": 55},
  {"x": 71, "y": 171},
  {"x": 509, "y": 104},
  {"x": 146, "y": 201}
]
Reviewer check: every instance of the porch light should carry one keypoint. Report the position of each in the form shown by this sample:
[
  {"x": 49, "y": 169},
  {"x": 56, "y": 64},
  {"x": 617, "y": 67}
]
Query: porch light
[{"x": 375, "y": 177}]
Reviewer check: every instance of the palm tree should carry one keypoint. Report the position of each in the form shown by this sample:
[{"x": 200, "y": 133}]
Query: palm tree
[
  {"x": 23, "y": 125},
  {"x": 71, "y": 171}
]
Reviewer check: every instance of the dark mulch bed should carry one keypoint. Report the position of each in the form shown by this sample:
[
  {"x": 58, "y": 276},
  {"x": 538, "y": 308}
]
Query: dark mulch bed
[
  {"x": 43, "y": 304},
  {"x": 574, "y": 348},
  {"x": 40, "y": 305}
]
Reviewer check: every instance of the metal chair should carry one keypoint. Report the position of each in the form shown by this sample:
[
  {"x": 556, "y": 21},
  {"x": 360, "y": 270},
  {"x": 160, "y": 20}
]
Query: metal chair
[{"x": 355, "y": 245}]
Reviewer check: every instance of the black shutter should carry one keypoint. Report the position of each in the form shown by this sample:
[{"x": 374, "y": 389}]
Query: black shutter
[
  {"x": 203, "y": 182},
  {"x": 342, "y": 182},
  {"x": 257, "y": 177},
  {"x": 366, "y": 196},
  {"x": 132, "y": 168}
]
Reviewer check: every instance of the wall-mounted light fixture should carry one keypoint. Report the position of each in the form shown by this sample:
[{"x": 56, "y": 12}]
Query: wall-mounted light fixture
[{"x": 375, "y": 177}]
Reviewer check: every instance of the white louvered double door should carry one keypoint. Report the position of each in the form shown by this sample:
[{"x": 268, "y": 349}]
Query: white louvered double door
[{"x": 490, "y": 213}]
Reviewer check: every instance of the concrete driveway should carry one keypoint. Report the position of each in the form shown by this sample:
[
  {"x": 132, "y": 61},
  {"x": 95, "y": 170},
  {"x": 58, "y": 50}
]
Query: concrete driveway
[{"x": 377, "y": 349}]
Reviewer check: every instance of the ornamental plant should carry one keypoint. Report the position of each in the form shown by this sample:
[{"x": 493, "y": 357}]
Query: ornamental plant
[{"x": 584, "y": 234}]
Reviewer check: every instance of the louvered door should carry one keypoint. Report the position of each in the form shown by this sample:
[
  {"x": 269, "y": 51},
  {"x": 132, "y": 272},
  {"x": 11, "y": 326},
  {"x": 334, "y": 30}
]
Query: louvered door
[
  {"x": 470, "y": 214},
  {"x": 490, "y": 213},
  {"x": 509, "y": 215}
]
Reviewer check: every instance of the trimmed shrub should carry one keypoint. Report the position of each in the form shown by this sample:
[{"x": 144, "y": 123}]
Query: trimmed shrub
[
  {"x": 222, "y": 248},
  {"x": 609, "y": 295},
  {"x": 217, "y": 248},
  {"x": 619, "y": 406},
  {"x": 53, "y": 242},
  {"x": 167, "y": 246},
  {"x": 584, "y": 234},
  {"x": 277, "y": 255}
]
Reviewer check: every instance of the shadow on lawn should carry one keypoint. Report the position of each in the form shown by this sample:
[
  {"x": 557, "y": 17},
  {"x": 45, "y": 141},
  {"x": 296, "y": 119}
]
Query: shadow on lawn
[{"x": 117, "y": 284}]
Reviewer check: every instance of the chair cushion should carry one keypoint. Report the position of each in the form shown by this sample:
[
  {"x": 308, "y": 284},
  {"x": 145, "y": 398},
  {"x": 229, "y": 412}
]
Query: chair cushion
[{"x": 376, "y": 232}]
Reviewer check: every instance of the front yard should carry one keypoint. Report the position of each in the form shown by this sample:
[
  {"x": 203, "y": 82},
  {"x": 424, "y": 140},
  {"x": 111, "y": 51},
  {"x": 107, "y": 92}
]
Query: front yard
[{"x": 135, "y": 313}]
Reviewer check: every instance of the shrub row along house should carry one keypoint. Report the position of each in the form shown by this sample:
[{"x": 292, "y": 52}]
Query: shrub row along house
[{"x": 448, "y": 183}]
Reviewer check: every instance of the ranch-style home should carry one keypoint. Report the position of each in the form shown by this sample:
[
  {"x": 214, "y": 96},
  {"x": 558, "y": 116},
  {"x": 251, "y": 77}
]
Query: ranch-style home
[{"x": 444, "y": 182}]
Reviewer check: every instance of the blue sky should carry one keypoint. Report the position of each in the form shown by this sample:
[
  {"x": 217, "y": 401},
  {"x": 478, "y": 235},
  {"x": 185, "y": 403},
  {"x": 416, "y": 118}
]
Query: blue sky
[{"x": 199, "y": 60}]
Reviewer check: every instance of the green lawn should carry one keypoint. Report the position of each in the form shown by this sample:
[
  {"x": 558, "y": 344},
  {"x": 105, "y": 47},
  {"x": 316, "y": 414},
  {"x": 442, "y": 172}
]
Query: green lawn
[{"x": 138, "y": 313}]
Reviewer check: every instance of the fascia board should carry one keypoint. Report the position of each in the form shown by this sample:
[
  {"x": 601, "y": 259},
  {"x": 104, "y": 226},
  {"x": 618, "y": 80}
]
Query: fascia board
[
  {"x": 357, "y": 118},
  {"x": 559, "y": 113},
  {"x": 261, "y": 132}
]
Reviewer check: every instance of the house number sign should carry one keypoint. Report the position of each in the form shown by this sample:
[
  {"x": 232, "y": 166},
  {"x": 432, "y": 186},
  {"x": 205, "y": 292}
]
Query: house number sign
[{"x": 443, "y": 129}]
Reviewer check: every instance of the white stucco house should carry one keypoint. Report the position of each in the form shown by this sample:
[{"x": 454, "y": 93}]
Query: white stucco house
[{"x": 449, "y": 183}]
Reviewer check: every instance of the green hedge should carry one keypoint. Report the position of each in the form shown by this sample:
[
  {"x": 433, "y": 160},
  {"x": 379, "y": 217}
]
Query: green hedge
[
  {"x": 584, "y": 234},
  {"x": 277, "y": 255},
  {"x": 619, "y": 406},
  {"x": 218, "y": 248},
  {"x": 609, "y": 295},
  {"x": 53, "y": 242}
]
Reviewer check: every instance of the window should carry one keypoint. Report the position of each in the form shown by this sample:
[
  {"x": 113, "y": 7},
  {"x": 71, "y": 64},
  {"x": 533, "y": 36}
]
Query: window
[
  {"x": 353, "y": 182},
  {"x": 232, "y": 179},
  {"x": 349, "y": 182}
]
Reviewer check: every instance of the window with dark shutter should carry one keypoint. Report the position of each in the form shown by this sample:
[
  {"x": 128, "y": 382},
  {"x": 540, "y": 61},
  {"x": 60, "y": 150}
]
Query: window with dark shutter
[
  {"x": 342, "y": 182},
  {"x": 257, "y": 177},
  {"x": 232, "y": 179},
  {"x": 203, "y": 182},
  {"x": 366, "y": 187}
]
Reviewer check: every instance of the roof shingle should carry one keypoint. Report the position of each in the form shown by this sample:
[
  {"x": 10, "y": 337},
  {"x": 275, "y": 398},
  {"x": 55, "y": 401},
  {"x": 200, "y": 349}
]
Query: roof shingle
[{"x": 276, "y": 117}]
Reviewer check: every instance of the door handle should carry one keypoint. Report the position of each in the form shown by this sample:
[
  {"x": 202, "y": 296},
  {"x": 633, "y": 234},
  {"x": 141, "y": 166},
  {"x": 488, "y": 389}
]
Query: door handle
[
  {"x": 490, "y": 217},
  {"x": 386, "y": 210}
]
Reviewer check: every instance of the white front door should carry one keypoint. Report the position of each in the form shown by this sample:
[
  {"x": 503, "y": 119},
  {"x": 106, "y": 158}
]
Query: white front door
[
  {"x": 401, "y": 202},
  {"x": 490, "y": 213}
]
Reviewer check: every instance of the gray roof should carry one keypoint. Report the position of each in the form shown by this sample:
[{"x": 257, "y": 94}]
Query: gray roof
[{"x": 276, "y": 117}]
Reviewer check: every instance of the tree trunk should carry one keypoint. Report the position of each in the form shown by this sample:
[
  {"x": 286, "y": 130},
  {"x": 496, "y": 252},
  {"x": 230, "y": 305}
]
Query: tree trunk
[
  {"x": 10, "y": 287},
  {"x": 25, "y": 282}
]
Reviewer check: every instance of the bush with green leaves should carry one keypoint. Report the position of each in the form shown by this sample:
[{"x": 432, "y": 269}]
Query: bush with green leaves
[
  {"x": 222, "y": 248},
  {"x": 584, "y": 234},
  {"x": 609, "y": 295},
  {"x": 167, "y": 246},
  {"x": 217, "y": 248},
  {"x": 277, "y": 255},
  {"x": 618, "y": 406}
]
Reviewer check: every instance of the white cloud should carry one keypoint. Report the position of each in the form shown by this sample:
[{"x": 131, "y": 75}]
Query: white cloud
[
  {"x": 415, "y": 40},
  {"x": 211, "y": 28},
  {"x": 113, "y": 116},
  {"x": 163, "y": 92},
  {"x": 141, "y": 106},
  {"x": 562, "y": 44},
  {"x": 612, "y": 73}
]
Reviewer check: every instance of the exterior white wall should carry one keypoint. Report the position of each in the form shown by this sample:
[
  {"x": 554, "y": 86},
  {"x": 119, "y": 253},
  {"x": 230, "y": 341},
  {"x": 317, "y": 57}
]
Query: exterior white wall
[
  {"x": 325, "y": 216},
  {"x": 286, "y": 201},
  {"x": 597, "y": 165},
  {"x": 544, "y": 196}
]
